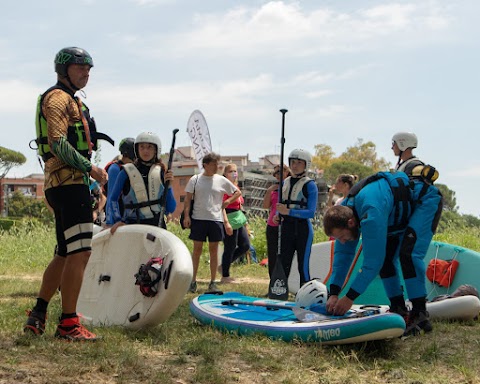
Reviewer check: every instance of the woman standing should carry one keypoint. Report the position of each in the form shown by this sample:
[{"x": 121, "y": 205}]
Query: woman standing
[
  {"x": 238, "y": 243},
  {"x": 342, "y": 185},
  {"x": 270, "y": 201}
]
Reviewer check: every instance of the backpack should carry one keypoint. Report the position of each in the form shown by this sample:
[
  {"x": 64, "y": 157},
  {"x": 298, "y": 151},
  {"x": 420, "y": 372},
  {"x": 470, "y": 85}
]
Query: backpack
[{"x": 402, "y": 195}]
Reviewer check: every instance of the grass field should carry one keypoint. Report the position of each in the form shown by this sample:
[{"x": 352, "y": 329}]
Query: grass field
[{"x": 182, "y": 351}]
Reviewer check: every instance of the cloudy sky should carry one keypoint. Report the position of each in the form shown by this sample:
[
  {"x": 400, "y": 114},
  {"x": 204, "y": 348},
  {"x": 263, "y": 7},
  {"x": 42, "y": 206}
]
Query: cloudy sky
[{"x": 344, "y": 69}]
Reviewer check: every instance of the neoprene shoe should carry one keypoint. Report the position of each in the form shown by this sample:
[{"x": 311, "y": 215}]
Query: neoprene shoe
[
  {"x": 35, "y": 323},
  {"x": 418, "y": 324},
  {"x": 72, "y": 330}
]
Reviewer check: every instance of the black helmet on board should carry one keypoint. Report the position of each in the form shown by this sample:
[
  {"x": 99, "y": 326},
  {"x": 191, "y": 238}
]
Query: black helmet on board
[{"x": 71, "y": 55}]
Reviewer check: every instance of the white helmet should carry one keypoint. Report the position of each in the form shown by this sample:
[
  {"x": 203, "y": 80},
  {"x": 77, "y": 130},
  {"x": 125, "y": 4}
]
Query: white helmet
[
  {"x": 301, "y": 154},
  {"x": 149, "y": 137},
  {"x": 312, "y": 292},
  {"x": 405, "y": 140}
]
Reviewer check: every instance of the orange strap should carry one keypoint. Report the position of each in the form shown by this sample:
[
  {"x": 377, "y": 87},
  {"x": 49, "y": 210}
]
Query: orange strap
[
  {"x": 332, "y": 252},
  {"x": 85, "y": 125},
  {"x": 352, "y": 266}
]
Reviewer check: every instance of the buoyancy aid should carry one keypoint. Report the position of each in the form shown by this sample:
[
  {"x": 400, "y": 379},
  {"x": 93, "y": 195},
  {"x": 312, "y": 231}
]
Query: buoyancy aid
[
  {"x": 295, "y": 196},
  {"x": 76, "y": 135},
  {"x": 408, "y": 165},
  {"x": 402, "y": 196},
  {"x": 147, "y": 202}
]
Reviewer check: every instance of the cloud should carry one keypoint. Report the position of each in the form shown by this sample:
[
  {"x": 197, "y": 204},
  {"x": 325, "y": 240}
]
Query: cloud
[
  {"x": 17, "y": 96},
  {"x": 246, "y": 93},
  {"x": 471, "y": 172},
  {"x": 279, "y": 28}
]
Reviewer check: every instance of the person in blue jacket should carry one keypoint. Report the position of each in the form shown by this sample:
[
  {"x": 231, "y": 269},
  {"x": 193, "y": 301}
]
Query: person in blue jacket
[
  {"x": 113, "y": 168},
  {"x": 141, "y": 186},
  {"x": 297, "y": 208},
  {"x": 372, "y": 211},
  {"x": 421, "y": 228}
]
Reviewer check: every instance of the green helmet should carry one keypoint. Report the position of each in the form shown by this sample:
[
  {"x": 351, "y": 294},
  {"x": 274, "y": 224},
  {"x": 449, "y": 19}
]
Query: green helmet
[{"x": 71, "y": 55}]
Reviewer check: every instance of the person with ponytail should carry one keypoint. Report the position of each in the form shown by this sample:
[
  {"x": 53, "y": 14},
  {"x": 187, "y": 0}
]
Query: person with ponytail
[
  {"x": 238, "y": 243},
  {"x": 342, "y": 185}
]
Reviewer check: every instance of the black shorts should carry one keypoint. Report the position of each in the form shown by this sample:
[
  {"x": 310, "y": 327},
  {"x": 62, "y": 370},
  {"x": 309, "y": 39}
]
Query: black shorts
[
  {"x": 200, "y": 230},
  {"x": 73, "y": 218}
]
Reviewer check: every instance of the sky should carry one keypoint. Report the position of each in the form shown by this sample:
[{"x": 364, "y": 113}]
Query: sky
[{"x": 344, "y": 69}]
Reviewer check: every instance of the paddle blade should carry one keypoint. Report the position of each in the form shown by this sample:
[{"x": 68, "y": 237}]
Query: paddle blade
[
  {"x": 278, "y": 287},
  {"x": 306, "y": 316}
]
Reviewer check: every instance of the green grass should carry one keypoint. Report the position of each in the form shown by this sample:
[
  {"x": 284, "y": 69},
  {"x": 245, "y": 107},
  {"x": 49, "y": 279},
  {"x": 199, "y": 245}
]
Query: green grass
[{"x": 182, "y": 351}]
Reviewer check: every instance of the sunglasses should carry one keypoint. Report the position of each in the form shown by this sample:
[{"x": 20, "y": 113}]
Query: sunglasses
[{"x": 276, "y": 173}]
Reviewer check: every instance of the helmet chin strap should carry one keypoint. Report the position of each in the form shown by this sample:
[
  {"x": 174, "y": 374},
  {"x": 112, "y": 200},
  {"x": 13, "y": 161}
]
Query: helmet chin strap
[
  {"x": 300, "y": 174},
  {"x": 399, "y": 158}
]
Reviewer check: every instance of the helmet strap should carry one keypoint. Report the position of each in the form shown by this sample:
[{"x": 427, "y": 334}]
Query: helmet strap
[
  {"x": 399, "y": 158},
  {"x": 300, "y": 174}
]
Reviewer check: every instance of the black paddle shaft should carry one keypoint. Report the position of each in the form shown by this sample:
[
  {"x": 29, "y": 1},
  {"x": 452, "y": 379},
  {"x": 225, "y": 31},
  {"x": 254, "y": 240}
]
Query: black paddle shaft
[
  {"x": 278, "y": 287},
  {"x": 163, "y": 204}
]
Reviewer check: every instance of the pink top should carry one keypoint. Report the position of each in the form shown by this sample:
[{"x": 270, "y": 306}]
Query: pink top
[
  {"x": 237, "y": 204},
  {"x": 273, "y": 209}
]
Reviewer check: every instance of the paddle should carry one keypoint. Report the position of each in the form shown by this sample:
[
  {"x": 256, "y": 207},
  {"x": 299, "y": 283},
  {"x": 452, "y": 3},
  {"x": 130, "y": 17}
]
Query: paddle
[
  {"x": 163, "y": 200},
  {"x": 278, "y": 287},
  {"x": 306, "y": 316},
  {"x": 303, "y": 315}
]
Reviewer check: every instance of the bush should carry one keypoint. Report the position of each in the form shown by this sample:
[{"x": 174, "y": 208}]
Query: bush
[{"x": 6, "y": 224}]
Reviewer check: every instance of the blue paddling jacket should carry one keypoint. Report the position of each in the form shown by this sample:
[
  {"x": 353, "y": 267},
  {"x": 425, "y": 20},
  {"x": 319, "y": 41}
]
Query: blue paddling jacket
[{"x": 381, "y": 207}]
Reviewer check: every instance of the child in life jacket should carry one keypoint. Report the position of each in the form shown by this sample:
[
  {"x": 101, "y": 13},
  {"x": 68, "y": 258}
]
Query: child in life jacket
[{"x": 141, "y": 186}]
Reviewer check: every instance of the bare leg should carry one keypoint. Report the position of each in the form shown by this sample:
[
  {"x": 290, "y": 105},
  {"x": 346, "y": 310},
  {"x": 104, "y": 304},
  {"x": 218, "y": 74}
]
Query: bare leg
[
  {"x": 213, "y": 249},
  {"x": 197, "y": 252},
  {"x": 51, "y": 278},
  {"x": 72, "y": 278}
]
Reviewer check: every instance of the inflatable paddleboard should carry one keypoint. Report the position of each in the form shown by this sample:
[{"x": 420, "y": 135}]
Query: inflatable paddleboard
[
  {"x": 109, "y": 295},
  {"x": 247, "y": 315},
  {"x": 467, "y": 273},
  {"x": 96, "y": 229}
]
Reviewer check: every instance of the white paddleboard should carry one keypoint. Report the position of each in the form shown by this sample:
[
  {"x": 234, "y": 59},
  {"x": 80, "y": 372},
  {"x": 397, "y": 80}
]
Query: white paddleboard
[
  {"x": 109, "y": 295},
  {"x": 321, "y": 258}
]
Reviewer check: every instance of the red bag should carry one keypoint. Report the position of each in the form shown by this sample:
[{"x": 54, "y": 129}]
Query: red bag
[{"x": 442, "y": 272}]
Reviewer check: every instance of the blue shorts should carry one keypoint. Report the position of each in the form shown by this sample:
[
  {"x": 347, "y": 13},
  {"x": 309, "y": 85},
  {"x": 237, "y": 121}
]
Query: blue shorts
[{"x": 200, "y": 230}]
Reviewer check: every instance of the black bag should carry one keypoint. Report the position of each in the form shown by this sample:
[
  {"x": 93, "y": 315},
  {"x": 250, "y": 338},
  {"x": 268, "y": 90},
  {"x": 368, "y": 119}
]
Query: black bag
[{"x": 182, "y": 216}]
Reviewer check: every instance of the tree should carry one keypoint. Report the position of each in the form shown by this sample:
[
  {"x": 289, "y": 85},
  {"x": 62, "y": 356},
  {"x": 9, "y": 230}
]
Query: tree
[
  {"x": 323, "y": 157},
  {"x": 9, "y": 159},
  {"x": 24, "y": 206},
  {"x": 339, "y": 167},
  {"x": 366, "y": 154},
  {"x": 449, "y": 199}
]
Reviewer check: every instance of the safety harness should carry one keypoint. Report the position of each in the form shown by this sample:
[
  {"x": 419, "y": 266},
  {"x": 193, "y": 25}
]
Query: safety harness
[
  {"x": 76, "y": 134},
  {"x": 402, "y": 197}
]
